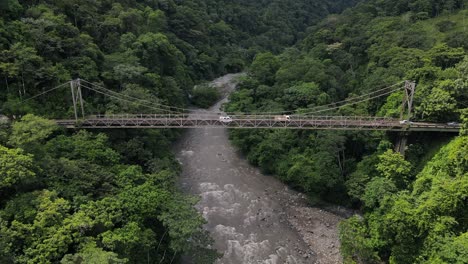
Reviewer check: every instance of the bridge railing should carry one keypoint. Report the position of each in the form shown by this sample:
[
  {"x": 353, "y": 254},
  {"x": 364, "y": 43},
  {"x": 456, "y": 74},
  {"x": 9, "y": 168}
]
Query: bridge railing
[
  {"x": 212, "y": 116},
  {"x": 254, "y": 121}
]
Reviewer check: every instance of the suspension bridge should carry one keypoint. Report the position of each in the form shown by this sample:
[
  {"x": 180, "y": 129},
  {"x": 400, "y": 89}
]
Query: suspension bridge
[
  {"x": 173, "y": 117},
  {"x": 252, "y": 121}
]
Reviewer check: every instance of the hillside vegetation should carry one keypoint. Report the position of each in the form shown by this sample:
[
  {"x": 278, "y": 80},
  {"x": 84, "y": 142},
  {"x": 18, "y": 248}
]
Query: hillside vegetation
[
  {"x": 149, "y": 49},
  {"x": 414, "y": 211},
  {"x": 111, "y": 197},
  {"x": 84, "y": 199}
]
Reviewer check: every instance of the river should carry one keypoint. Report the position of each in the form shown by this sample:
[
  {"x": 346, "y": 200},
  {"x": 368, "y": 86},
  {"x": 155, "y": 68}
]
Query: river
[{"x": 252, "y": 218}]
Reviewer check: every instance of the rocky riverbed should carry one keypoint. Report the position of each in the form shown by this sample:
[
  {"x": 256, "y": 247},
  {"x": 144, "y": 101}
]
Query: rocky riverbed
[{"x": 252, "y": 218}]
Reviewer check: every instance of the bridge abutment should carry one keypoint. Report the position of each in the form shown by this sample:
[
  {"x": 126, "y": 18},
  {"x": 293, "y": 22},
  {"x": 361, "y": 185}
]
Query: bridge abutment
[{"x": 401, "y": 142}]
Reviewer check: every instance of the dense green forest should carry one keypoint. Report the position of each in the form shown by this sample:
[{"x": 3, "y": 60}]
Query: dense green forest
[
  {"x": 82, "y": 197},
  {"x": 142, "y": 48},
  {"x": 111, "y": 197},
  {"x": 86, "y": 199},
  {"x": 414, "y": 208}
]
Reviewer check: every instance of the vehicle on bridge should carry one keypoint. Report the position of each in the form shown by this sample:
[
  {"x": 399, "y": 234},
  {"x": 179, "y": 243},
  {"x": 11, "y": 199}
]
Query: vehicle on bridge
[
  {"x": 282, "y": 118},
  {"x": 405, "y": 122},
  {"x": 453, "y": 124},
  {"x": 225, "y": 119}
]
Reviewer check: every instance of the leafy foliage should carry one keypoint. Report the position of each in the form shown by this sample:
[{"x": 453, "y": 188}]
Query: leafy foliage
[
  {"x": 205, "y": 96},
  {"x": 153, "y": 50},
  {"x": 95, "y": 198},
  {"x": 15, "y": 167},
  {"x": 416, "y": 224},
  {"x": 32, "y": 130},
  {"x": 71, "y": 200},
  {"x": 373, "y": 45}
]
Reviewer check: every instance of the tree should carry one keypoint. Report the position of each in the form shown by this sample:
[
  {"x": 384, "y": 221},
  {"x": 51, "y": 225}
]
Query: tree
[
  {"x": 83, "y": 145},
  {"x": 158, "y": 54},
  {"x": 157, "y": 21},
  {"x": 445, "y": 57},
  {"x": 304, "y": 95},
  {"x": 205, "y": 96},
  {"x": 31, "y": 130},
  {"x": 264, "y": 68},
  {"x": 92, "y": 254},
  {"x": 132, "y": 240},
  {"x": 267, "y": 151},
  {"x": 454, "y": 250},
  {"x": 464, "y": 118},
  {"x": 23, "y": 61},
  {"x": 78, "y": 180},
  {"x": 10, "y": 6},
  {"x": 365, "y": 171},
  {"x": 439, "y": 105},
  {"x": 48, "y": 236},
  {"x": 355, "y": 245},
  {"x": 15, "y": 167},
  {"x": 184, "y": 224},
  {"x": 376, "y": 190},
  {"x": 141, "y": 101},
  {"x": 424, "y": 225},
  {"x": 393, "y": 167}
]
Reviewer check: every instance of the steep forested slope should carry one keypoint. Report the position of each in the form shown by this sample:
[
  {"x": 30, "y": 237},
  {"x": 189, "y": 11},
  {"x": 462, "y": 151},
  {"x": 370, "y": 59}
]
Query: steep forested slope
[
  {"x": 85, "y": 199},
  {"x": 368, "y": 47},
  {"x": 424, "y": 223},
  {"x": 340, "y": 60},
  {"x": 111, "y": 198},
  {"x": 154, "y": 48}
]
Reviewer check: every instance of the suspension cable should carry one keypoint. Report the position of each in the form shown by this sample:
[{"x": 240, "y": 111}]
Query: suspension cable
[
  {"x": 47, "y": 91},
  {"x": 352, "y": 103},
  {"x": 165, "y": 108},
  {"x": 335, "y": 103},
  {"x": 129, "y": 101},
  {"x": 139, "y": 99}
]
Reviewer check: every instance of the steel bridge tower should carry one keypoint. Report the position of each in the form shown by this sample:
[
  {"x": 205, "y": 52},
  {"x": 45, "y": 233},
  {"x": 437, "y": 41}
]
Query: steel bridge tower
[
  {"x": 406, "y": 113},
  {"x": 77, "y": 98}
]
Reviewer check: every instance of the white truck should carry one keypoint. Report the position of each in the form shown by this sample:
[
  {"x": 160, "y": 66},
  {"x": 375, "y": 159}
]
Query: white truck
[
  {"x": 282, "y": 118},
  {"x": 225, "y": 119},
  {"x": 405, "y": 122}
]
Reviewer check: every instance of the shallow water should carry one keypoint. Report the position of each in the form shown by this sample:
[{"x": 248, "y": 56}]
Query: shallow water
[{"x": 245, "y": 210}]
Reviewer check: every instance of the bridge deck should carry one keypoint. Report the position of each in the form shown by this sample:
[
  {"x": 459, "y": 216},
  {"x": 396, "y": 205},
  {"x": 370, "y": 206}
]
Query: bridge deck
[{"x": 244, "y": 122}]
